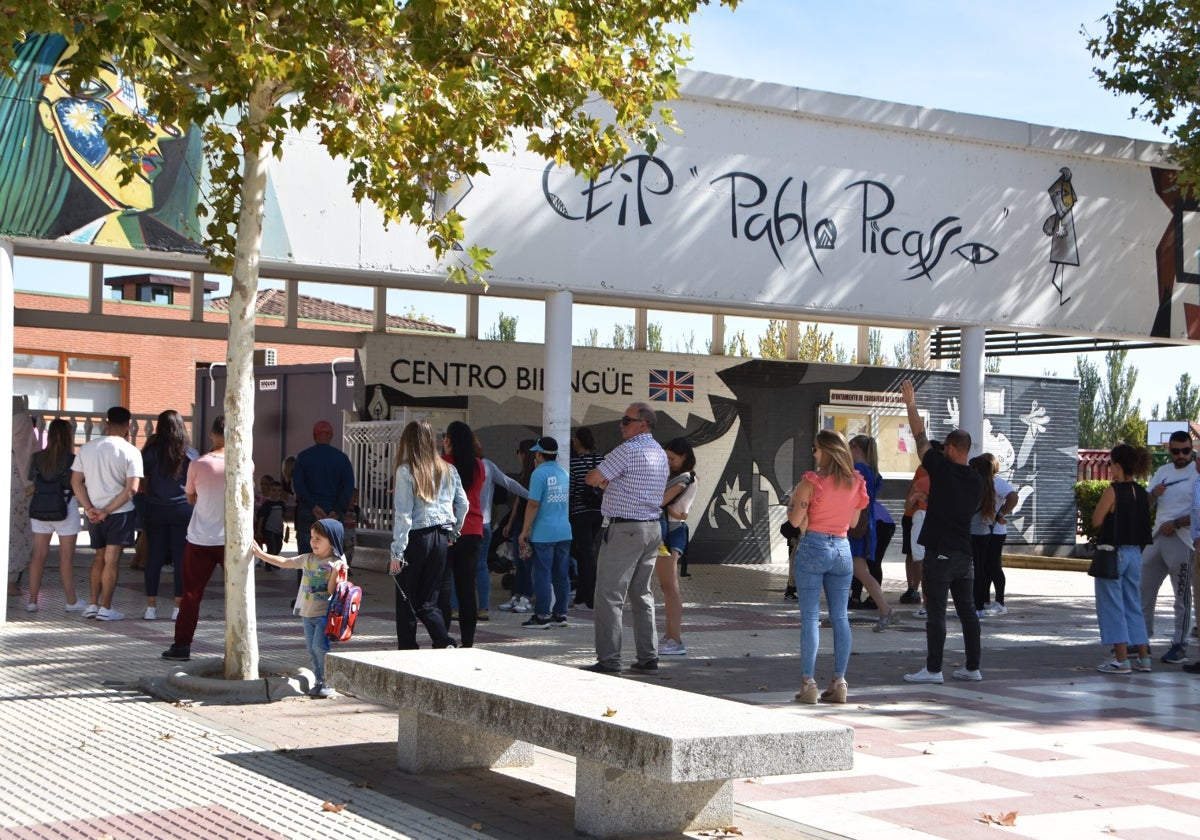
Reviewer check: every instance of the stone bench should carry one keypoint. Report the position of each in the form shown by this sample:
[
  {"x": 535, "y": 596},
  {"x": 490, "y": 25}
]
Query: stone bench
[{"x": 648, "y": 758}]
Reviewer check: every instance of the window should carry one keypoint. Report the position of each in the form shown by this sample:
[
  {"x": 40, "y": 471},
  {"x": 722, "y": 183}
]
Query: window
[
  {"x": 152, "y": 293},
  {"x": 61, "y": 382}
]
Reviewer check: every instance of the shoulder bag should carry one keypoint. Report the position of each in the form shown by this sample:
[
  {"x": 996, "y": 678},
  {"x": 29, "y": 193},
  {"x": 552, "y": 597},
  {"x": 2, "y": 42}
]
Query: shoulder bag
[{"x": 1104, "y": 560}]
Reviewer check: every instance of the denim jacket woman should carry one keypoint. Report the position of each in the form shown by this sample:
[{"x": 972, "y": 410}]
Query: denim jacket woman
[{"x": 412, "y": 513}]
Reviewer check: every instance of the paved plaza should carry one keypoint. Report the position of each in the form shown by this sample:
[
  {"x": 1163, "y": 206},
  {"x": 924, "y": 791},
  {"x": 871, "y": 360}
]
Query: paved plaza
[{"x": 1045, "y": 742}]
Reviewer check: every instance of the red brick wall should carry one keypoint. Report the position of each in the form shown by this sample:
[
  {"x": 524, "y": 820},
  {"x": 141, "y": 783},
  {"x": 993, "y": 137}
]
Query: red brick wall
[{"x": 161, "y": 370}]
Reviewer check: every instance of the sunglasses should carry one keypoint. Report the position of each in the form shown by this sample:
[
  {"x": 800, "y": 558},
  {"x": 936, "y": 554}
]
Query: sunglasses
[
  {"x": 626, "y": 420},
  {"x": 1175, "y": 451}
]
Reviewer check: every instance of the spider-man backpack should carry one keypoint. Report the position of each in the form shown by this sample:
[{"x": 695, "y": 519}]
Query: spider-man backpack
[{"x": 343, "y": 609}]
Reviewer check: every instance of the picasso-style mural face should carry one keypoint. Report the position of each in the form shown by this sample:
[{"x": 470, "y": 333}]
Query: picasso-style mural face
[{"x": 77, "y": 122}]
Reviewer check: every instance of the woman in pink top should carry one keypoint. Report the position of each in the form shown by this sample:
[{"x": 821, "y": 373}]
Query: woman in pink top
[{"x": 823, "y": 506}]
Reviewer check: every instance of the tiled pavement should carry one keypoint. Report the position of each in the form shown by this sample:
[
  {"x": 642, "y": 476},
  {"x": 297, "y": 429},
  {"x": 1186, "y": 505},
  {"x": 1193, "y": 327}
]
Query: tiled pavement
[{"x": 1073, "y": 753}]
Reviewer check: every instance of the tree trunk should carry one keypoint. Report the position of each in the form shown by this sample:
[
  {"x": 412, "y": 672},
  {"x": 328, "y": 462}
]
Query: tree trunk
[{"x": 241, "y": 625}]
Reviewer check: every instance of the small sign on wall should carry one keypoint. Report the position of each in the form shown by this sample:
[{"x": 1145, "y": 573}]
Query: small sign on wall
[{"x": 268, "y": 384}]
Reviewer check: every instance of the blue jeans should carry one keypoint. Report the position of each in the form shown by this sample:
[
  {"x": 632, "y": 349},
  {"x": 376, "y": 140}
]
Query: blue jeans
[
  {"x": 1119, "y": 602},
  {"x": 823, "y": 561},
  {"x": 551, "y": 571},
  {"x": 317, "y": 644}
]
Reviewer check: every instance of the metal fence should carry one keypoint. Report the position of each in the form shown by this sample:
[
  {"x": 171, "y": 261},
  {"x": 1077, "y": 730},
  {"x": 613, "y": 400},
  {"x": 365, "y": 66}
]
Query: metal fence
[
  {"x": 1093, "y": 465},
  {"x": 371, "y": 447},
  {"x": 88, "y": 426}
]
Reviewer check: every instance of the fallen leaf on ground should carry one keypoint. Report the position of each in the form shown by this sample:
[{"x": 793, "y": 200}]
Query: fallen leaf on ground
[
  {"x": 477, "y": 826},
  {"x": 166, "y": 736},
  {"x": 610, "y": 713},
  {"x": 366, "y": 785},
  {"x": 329, "y": 806},
  {"x": 1009, "y": 819}
]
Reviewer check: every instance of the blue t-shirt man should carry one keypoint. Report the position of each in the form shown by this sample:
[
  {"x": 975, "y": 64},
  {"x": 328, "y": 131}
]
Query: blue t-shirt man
[
  {"x": 550, "y": 487},
  {"x": 546, "y": 532}
]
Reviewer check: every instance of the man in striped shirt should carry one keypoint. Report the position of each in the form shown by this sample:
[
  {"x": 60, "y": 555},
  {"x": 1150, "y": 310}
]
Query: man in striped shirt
[{"x": 634, "y": 477}]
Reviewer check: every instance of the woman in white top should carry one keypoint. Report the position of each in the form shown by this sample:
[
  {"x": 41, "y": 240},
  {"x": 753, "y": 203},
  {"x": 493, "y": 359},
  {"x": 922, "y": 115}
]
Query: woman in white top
[
  {"x": 677, "y": 500},
  {"x": 988, "y": 534}
]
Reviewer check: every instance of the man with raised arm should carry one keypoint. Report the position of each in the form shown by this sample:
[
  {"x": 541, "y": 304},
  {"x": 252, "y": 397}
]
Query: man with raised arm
[{"x": 955, "y": 491}]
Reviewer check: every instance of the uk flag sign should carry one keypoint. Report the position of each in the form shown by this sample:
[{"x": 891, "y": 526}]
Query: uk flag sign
[{"x": 672, "y": 385}]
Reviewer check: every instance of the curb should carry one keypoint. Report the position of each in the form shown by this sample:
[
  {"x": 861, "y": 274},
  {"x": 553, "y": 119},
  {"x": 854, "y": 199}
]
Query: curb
[
  {"x": 204, "y": 680},
  {"x": 1057, "y": 564}
]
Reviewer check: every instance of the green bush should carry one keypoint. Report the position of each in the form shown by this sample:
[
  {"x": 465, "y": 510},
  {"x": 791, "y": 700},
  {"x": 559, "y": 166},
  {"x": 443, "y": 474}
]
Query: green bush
[{"x": 1087, "y": 496}]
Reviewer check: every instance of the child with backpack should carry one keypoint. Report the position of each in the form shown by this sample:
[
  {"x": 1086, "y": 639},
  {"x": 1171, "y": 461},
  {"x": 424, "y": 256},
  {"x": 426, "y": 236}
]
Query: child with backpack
[{"x": 320, "y": 570}]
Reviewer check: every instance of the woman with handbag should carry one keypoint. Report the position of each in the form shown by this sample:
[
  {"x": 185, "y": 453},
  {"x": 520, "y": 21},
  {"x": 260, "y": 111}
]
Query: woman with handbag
[
  {"x": 54, "y": 464},
  {"x": 823, "y": 506},
  {"x": 1123, "y": 517}
]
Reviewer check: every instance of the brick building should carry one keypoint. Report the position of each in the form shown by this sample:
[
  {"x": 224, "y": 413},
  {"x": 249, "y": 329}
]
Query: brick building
[{"x": 81, "y": 372}]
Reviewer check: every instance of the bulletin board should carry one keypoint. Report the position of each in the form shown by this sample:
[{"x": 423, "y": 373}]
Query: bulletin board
[{"x": 897, "y": 450}]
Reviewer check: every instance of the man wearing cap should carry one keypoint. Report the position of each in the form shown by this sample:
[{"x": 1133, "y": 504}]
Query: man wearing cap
[
  {"x": 634, "y": 477},
  {"x": 323, "y": 482},
  {"x": 547, "y": 533}
]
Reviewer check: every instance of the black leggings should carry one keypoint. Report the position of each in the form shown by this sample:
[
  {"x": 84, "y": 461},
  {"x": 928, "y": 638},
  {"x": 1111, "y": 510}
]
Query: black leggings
[
  {"x": 988, "y": 551},
  {"x": 462, "y": 560},
  {"x": 417, "y": 587}
]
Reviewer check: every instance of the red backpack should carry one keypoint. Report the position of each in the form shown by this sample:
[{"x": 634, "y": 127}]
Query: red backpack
[{"x": 343, "y": 609}]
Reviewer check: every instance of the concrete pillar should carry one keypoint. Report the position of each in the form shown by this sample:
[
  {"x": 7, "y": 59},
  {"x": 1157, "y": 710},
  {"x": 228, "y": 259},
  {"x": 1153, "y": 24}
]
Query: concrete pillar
[
  {"x": 291, "y": 303},
  {"x": 95, "y": 285},
  {"x": 196, "y": 304},
  {"x": 718, "y": 334},
  {"x": 7, "y": 303},
  {"x": 970, "y": 386},
  {"x": 556, "y": 408},
  {"x": 793, "y": 339},
  {"x": 641, "y": 327},
  {"x": 472, "y": 328},
  {"x": 379, "y": 313},
  {"x": 863, "y": 351}
]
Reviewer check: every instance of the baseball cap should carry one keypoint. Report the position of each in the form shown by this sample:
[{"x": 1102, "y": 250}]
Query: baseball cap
[
  {"x": 322, "y": 427},
  {"x": 545, "y": 445}
]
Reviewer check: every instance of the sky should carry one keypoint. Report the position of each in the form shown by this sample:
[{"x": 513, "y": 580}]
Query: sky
[{"x": 1016, "y": 60}]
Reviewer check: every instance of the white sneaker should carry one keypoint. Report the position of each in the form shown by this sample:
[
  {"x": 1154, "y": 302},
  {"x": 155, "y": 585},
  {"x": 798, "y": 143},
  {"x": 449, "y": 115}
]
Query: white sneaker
[
  {"x": 151, "y": 614},
  {"x": 998, "y": 609},
  {"x": 91, "y": 611},
  {"x": 670, "y": 647},
  {"x": 31, "y": 606},
  {"x": 969, "y": 676},
  {"x": 920, "y": 613},
  {"x": 510, "y": 604},
  {"x": 523, "y": 606},
  {"x": 78, "y": 606},
  {"x": 175, "y": 613},
  {"x": 108, "y": 614},
  {"x": 923, "y": 676}
]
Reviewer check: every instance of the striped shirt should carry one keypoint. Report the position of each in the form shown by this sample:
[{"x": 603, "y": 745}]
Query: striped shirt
[
  {"x": 637, "y": 473},
  {"x": 581, "y": 465}
]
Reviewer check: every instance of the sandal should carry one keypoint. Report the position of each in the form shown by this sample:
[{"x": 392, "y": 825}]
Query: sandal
[
  {"x": 807, "y": 693},
  {"x": 836, "y": 693}
]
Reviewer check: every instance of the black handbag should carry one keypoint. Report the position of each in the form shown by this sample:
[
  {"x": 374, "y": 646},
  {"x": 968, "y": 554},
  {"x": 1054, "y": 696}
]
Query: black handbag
[
  {"x": 1104, "y": 559},
  {"x": 1104, "y": 563}
]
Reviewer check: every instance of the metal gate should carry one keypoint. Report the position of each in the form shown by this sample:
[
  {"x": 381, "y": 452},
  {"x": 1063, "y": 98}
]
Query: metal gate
[{"x": 371, "y": 447}]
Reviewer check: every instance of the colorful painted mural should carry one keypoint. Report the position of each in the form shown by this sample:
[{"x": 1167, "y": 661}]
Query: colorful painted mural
[{"x": 60, "y": 179}]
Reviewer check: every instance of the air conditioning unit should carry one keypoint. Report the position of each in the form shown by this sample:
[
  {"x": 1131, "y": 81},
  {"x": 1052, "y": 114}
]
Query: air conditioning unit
[{"x": 267, "y": 356}]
